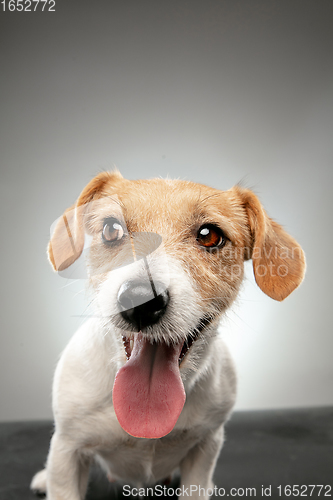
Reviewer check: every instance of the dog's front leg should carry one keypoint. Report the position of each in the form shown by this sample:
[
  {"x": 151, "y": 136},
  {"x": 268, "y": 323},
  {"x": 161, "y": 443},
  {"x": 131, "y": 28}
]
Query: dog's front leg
[
  {"x": 67, "y": 471},
  {"x": 198, "y": 466}
]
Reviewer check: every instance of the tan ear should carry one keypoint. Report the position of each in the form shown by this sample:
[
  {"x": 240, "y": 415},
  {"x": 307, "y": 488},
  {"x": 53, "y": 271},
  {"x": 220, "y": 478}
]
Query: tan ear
[
  {"x": 67, "y": 240},
  {"x": 278, "y": 260}
]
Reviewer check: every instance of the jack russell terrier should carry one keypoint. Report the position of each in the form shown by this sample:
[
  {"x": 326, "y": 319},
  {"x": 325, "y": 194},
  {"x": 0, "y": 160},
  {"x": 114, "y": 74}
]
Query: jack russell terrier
[{"x": 145, "y": 385}]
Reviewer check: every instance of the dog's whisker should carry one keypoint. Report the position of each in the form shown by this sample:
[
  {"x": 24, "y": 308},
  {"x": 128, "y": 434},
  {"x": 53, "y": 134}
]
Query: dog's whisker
[
  {"x": 71, "y": 282},
  {"x": 79, "y": 292},
  {"x": 213, "y": 297},
  {"x": 208, "y": 197},
  {"x": 229, "y": 317}
]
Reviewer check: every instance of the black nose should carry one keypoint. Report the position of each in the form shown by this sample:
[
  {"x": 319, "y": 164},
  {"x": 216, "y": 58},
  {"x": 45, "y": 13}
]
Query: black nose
[{"x": 142, "y": 303}]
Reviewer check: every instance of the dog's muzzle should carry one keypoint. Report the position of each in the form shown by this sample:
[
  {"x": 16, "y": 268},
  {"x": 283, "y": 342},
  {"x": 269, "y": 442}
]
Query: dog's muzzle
[{"x": 142, "y": 303}]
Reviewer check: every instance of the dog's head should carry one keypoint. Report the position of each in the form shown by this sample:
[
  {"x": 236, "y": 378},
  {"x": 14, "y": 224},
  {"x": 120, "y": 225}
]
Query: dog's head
[{"x": 166, "y": 259}]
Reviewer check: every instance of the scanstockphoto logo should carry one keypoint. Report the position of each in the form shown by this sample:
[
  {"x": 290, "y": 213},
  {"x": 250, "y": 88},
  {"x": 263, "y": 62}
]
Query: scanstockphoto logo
[
  {"x": 193, "y": 490},
  {"x": 274, "y": 260}
]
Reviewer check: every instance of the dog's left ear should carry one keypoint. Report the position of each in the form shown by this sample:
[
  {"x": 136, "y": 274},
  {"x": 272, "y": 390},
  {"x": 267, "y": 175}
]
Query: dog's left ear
[{"x": 278, "y": 260}]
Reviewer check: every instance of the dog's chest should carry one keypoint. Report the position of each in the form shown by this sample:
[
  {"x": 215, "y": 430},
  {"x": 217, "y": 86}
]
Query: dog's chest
[{"x": 146, "y": 460}]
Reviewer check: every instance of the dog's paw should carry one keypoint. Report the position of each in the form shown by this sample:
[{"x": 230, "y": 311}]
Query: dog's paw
[{"x": 38, "y": 484}]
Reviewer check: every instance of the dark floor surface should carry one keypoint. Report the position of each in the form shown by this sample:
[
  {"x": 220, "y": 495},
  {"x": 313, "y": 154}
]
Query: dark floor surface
[{"x": 262, "y": 449}]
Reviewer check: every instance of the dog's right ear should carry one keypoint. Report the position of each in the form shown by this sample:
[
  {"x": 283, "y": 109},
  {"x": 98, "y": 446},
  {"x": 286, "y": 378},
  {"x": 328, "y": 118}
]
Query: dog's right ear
[{"x": 67, "y": 240}]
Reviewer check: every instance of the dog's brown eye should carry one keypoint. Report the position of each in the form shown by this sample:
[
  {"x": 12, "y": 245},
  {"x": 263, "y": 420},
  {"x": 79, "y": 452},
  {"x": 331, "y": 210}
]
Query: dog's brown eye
[
  {"x": 210, "y": 236},
  {"x": 112, "y": 231}
]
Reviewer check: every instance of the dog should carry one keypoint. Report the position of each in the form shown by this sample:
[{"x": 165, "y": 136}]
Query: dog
[{"x": 146, "y": 385}]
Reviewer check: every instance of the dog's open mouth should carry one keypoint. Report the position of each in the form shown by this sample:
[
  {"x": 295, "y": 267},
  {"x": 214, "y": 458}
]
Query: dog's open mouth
[
  {"x": 128, "y": 340},
  {"x": 148, "y": 392}
]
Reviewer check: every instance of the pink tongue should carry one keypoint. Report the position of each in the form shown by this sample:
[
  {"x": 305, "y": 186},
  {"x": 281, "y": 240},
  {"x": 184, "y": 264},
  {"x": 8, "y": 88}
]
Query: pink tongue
[{"x": 148, "y": 394}]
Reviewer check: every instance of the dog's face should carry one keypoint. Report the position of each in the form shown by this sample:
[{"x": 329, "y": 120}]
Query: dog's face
[{"x": 166, "y": 260}]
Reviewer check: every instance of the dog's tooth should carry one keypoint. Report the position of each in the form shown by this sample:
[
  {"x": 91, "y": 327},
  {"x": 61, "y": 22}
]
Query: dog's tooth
[{"x": 131, "y": 344}]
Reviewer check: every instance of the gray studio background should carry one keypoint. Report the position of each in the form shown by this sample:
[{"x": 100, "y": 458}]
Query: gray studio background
[{"x": 214, "y": 91}]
